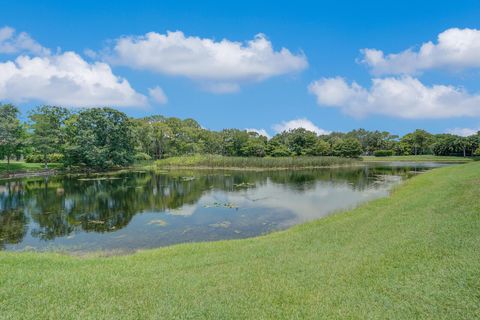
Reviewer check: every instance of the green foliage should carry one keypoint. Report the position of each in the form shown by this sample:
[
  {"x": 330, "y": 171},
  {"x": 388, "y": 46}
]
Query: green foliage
[
  {"x": 99, "y": 138},
  {"x": 320, "y": 148},
  {"x": 48, "y": 131},
  {"x": 452, "y": 145},
  {"x": 142, "y": 156},
  {"x": 383, "y": 153},
  {"x": 419, "y": 142},
  {"x": 233, "y": 140},
  {"x": 349, "y": 148},
  {"x": 279, "y": 151},
  {"x": 12, "y": 133},
  {"x": 105, "y": 138},
  {"x": 254, "y": 148},
  {"x": 40, "y": 158},
  {"x": 373, "y": 140},
  {"x": 300, "y": 141},
  {"x": 477, "y": 152}
]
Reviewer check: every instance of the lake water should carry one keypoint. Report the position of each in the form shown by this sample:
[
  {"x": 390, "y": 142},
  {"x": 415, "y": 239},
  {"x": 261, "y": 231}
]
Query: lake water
[{"x": 139, "y": 209}]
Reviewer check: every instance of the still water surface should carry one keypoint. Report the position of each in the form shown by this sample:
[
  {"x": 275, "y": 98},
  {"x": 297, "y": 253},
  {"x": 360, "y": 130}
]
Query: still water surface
[{"x": 139, "y": 209}]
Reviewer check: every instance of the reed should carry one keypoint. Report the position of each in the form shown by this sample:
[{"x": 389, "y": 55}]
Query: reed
[{"x": 216, "y": 161}]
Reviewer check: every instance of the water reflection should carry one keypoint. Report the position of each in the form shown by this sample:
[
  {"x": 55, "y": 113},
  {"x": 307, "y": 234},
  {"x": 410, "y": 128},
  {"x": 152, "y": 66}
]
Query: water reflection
[{"x": 132, "y": 210}]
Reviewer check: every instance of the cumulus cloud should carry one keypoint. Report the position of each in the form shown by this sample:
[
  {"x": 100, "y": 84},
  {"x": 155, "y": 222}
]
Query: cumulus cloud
[
  {"x": 464, "y": 132},
  {"x": 158, "y": 95},
  {"x": 299, "y": 123},
  {"x": 65, "y": 79},
  {"x": 12, "y": 42},
  {"x": 261, "y": 132},
  {"x": 403, "y": 97},
  {"x": 455, "y": 49},
  {"x": 222, "y": 65}
]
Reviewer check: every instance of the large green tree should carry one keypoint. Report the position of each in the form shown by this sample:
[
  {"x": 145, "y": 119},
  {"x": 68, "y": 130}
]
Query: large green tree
[
  {"x": 11, "y": 132},
  {"x": 255, "y": 146},
  {"x": 48, "y": 130},
  {"x": 374, "y": 140},
  {"x": 419, "y": 141},
  {"x": 99, "y": 138},
  {"x": 349, "y": 148}
]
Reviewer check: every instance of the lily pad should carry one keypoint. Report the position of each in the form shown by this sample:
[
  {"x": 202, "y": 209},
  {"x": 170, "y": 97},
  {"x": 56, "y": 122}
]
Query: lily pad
[
  {"x": 221, "y": 205},
  {"x": 99, "y": 179},
  {"x": 96, "y": 222},
  {"x": 223, "y": 224},
  {"x": 158, "y": 222}
]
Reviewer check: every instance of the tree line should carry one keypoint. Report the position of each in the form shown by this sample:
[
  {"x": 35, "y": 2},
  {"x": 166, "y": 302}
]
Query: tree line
[{"x": 103, "y": 138}]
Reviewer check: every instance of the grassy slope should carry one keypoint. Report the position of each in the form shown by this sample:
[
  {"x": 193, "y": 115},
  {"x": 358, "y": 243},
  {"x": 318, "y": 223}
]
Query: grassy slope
[
  {"x": 419, "y": 158},
  {"x": 415, "y": 254}
]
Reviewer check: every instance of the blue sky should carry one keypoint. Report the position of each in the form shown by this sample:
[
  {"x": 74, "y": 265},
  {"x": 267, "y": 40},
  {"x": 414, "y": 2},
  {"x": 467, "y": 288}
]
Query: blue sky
[{"x": 323, "y": 39}]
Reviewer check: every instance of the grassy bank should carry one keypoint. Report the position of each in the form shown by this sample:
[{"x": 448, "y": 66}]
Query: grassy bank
[
  {"x": 413, "y": 255},
  {"x": 215, "y": 161},
  {"x": 421, "y": 158},
  {"x": 21, "y": 166}
]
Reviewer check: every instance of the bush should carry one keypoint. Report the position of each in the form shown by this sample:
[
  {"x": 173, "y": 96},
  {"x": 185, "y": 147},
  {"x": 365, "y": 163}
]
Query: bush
[
  {"x": 38, "y": 158},
  {"x": 477, "y": 152},
  {"x": 140, "y": 156},
  {"x": 383, "y": 153},
  {"x": 349, "y": 148},
  {"x": 280, "y": 151}
]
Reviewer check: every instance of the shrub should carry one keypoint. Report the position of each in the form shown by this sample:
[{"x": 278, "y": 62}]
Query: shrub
[
  {"x": 349, "y": 148},
  {"x": 38, "y": 158},
  {"x": 476, "y": 154},
  {"x": 383, "y": 153},
  {"x": 140, "y": 156}
]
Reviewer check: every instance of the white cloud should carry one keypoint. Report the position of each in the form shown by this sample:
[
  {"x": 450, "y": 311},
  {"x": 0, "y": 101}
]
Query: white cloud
[
  {"x": 158, "y": 95},
  {"x": 65, "y": 79},
  {"x": 223, "y": 65},
  {"x": 90, "y": 53},
  {"x": 261, "y": 132},
  {"x": 464, "y": 132},
  {"x": 11, "y": 42},
  {"x": 403, "y": 97},
  {"x": 299, "y": 123},
  {"x": 455, "y": 49}
]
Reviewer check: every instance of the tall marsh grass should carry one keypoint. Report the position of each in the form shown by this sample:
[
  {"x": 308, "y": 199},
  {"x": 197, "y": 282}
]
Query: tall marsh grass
[{"x": 216, "y": 161}]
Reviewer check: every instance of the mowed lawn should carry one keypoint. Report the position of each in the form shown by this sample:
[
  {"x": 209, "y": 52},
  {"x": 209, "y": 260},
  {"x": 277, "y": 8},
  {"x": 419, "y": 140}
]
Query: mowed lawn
[
  {"x": 419, "y": 158},
  {"x": 413, "y": 255}
]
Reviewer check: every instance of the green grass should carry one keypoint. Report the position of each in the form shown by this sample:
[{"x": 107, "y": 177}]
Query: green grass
[
  {"x": 21, "y": 166},
  {"x": 216, "y": 161},
  {"x": 420, "y": 158},
  {"x": 413, "y": 255}
]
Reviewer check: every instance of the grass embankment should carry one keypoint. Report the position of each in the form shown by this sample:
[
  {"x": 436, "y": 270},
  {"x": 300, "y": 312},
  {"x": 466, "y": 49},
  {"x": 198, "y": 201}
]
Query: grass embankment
[
  {"x": 215, "y": 161},
  {"x": 21, "y": 166},
  {"x": 415, "y": 254},
  {"x": 420, "y": 158}
]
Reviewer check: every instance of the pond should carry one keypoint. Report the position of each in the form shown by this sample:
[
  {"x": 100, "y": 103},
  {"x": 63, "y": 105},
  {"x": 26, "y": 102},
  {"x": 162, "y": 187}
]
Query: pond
[{"x": 134, "y": 210}]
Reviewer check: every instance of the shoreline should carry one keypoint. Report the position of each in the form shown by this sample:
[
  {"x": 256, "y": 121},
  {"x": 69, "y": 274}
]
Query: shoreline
[
  {"x": 28, "y": 174},
  {"x": 153, "y": 167},
  {"x": 172, "y": 167}
]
